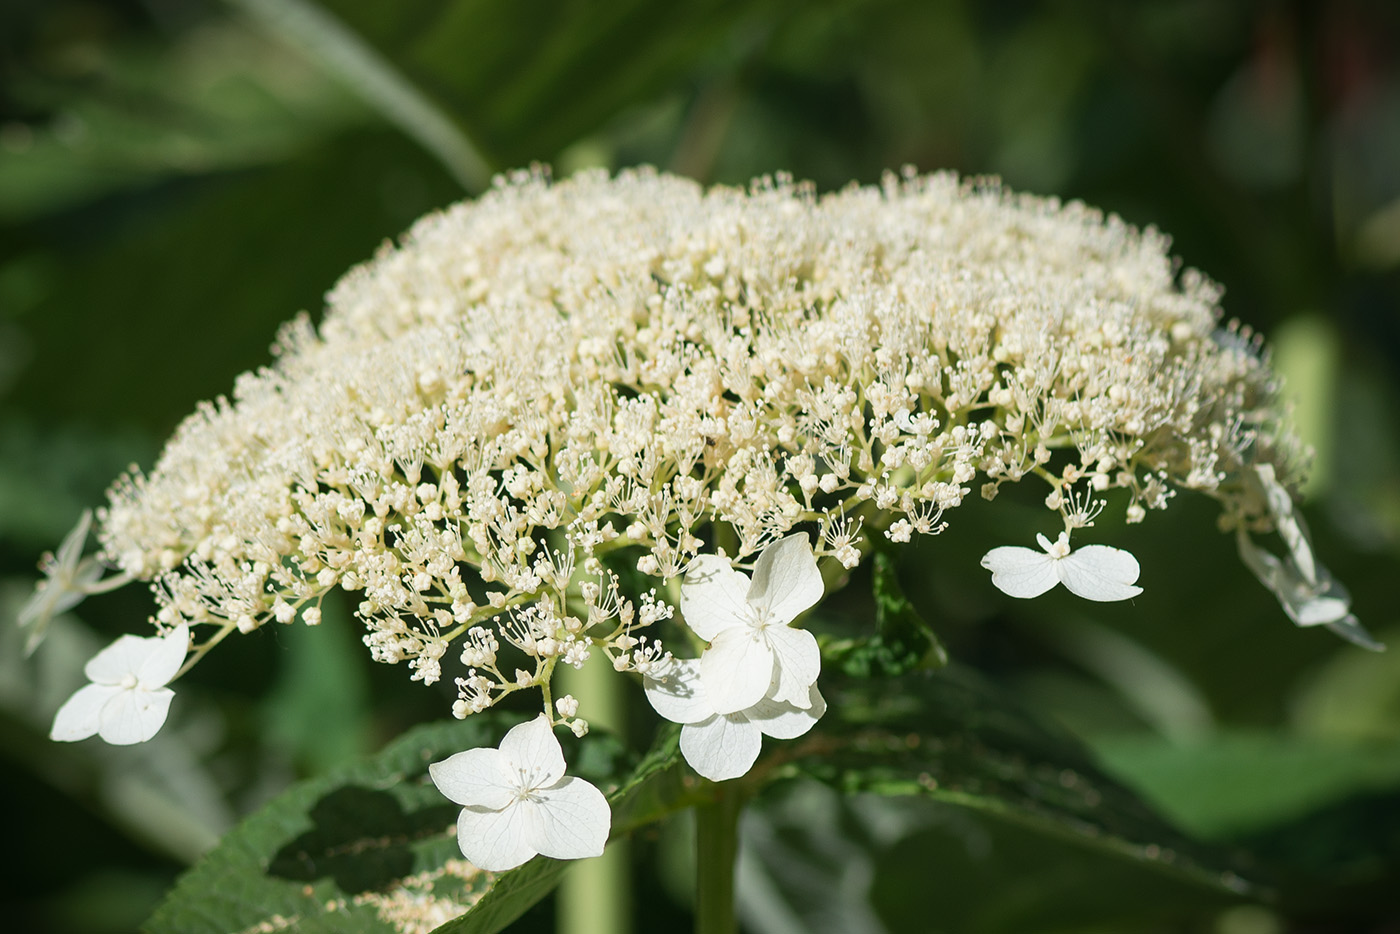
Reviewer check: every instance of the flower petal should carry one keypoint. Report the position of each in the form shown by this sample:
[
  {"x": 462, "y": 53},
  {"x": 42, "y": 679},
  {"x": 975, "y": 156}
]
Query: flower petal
[
  {"x": 532, "y": 749},
  {"x": 714, "y": 596},
  {"x": 122, "y": 658},
  {"x": 133, "y": 715},
  {"x": 72, "y": 547},
  {"x": 678, "y": 696},
  {"x": 476, "y": 778},
  {"x": 498, "y": 840},
  {"x": 1350, "y": 629},
  {"x": 81, "y": 714},
  {"x": 786, "y": 580},
  {"x": 1321, "y": 610},
  {"x": 574, "y": 820},
  {"x": 784, "y": 721},
  {"x": 799, "y": 662},
  {"x": 736, "y": 670},
  {"x": 166, "y": 655},
  {"x": 1324, "y": 602},
  {"x": 1099, "y": 572},
  {"x": 722, "y": 747},
  {"x": 1289, "y": 523},
  {"x": 1021, "y": 572}
]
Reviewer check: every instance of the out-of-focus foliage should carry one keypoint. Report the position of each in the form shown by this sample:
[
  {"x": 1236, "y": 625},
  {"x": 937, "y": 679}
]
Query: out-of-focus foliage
[{"x": 176, "y": 179}]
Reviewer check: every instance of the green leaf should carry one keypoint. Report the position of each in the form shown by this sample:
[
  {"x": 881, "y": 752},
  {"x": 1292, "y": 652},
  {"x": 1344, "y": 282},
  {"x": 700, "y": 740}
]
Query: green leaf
[
  {"x": 818, "y": 860},
  {"x": 371, "y": 847},
  {"x": 902, "y": 641},
  {"x": 526, "y": 79},
  {"x": 219, "y": 98},
  {"x": 1236, "y": 782},
  {"x": 951, "y": 737}
]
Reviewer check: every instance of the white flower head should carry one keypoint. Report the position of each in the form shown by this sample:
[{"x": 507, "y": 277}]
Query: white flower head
[
  {"x": 517, "y": 802},
  {"x": 721, "y": 746},
  {"x": 128, "y": 700},
  {"x": 68, "y": 578},
  {"x": 753, "y": 652},
  {"x": 381, "y": 455},
  {"x": 1094, "y": 572}
]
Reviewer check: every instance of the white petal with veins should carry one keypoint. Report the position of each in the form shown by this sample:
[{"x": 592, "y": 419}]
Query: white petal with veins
[{"x": 517, "y": 801}]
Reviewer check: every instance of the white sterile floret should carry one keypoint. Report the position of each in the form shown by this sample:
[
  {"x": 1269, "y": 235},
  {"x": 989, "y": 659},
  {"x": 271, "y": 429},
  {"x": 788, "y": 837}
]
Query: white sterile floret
[
  {"x": 721, "y": 746},
  {"x": 753, "y": 652},
  {"x": 517, "y": 802},
  {"x": 1307, "y": 591},
  {"x": 1094, "y": 572},
  {"x": 68, "y": 578},
  {"x": 128, "y": 700}
]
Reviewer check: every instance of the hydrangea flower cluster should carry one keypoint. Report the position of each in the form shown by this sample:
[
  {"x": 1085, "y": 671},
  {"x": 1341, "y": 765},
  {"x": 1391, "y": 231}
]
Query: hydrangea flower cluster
[{"x": 521, "y": 437}]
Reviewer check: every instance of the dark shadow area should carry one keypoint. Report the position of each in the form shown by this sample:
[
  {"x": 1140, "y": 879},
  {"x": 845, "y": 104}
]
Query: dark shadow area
[{"x": 362, "y": 839}]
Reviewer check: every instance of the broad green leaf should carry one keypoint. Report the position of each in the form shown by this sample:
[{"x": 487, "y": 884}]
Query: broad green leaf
[
  {"x": 817, "y": 860},
  {"x": 526, "y": 79},
  {"x": 902, "y": 641},
  {"x": 371, "y": 847},
  {"x": 219, "y": 98},
  {"x": 950, "y": 737},
  {"x": 1238, "y": 782}
]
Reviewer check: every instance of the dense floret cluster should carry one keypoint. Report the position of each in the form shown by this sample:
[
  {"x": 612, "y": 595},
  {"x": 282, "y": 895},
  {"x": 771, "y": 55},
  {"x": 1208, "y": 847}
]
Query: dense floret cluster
[{"x": 546, "y": 396}]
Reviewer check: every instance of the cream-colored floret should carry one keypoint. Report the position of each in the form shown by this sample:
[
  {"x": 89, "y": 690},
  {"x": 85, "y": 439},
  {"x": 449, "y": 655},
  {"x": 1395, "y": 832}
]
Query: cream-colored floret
[{"x": 563, "y": 382}]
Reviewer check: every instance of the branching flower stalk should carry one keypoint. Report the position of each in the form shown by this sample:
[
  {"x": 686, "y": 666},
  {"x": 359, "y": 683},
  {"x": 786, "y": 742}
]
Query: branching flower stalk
[{"x": 521, "y": 435}]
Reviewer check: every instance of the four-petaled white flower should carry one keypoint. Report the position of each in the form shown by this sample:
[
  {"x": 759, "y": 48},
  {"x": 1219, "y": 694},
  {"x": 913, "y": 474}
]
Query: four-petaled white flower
[
  {"x": 68, "y": 578},
  {"x": 1094, "y": 572},
  {"x": 721, "y": 746},
  {"x": 753, "y": 652},
  {"x": 517, "y": 802},
  {"x": 128, "y": 699}
]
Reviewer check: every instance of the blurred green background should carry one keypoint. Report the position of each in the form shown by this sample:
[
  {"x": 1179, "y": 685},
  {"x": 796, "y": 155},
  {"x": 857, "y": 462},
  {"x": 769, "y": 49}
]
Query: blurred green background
[{"x": 177, "y": 177}]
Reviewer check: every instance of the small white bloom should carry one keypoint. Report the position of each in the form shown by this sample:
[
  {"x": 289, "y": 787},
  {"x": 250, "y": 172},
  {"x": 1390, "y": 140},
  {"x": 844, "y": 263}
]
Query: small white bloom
[
  {"x": 722, "y": 746},
  {"x": 1094, "y": 572},
  {"x": 517, "y": 802},
  {"x": 68, "y": 578},
  {"x": 753, "y": 652},
  {"x": 567, "y": 706},
  {"x": 128, "y": 699}
]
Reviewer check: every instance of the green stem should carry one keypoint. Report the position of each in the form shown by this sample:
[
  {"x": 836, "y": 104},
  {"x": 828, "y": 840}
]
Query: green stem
[
  {"x": 596, "y": 894},
  {"x": 717, "y": 848}
]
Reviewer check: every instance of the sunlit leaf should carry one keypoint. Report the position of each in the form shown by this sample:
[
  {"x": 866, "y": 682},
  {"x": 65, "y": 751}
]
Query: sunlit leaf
[
  {"x": 372, "y": 846},
  {"x": 902, "y": 641}
]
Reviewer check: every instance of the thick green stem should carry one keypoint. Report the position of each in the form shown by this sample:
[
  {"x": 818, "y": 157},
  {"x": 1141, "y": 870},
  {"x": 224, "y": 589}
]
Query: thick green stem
[
  {"x": 596, "y": 894},
  {"x": 717, "y": 848}
]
